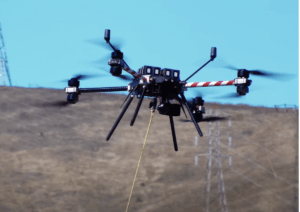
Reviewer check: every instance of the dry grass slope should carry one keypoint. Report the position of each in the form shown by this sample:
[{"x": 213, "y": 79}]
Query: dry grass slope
[{"x": 57, "y": 159}]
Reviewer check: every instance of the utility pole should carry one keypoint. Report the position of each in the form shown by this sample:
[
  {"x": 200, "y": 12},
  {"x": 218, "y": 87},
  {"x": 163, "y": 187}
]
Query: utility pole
[{"x": 3, "y": 61}]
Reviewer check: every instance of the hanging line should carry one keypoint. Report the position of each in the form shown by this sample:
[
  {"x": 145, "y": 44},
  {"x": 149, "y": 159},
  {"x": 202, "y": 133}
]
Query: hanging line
[{"x": 137, "y": 168}]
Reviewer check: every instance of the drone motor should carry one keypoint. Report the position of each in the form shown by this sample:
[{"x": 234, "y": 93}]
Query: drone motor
[
  {"x": 243, "y": 73},
  {"x": 198, "y": 101},
  {"x": 72, "y": 98},
  {"x": 242, "y": 89},
  {"x": 116, "y": 65},
  {"x": 73, "y": 82}
]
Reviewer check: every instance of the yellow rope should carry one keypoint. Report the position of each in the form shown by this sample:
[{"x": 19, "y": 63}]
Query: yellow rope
[{"x": 137, "y": 168}]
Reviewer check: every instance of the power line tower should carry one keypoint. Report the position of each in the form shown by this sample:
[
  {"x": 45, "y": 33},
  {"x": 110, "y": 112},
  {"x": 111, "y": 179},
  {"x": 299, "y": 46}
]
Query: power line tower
[
  {"x": 214, "y": 140},
  {"x": 3, "y": 61}
]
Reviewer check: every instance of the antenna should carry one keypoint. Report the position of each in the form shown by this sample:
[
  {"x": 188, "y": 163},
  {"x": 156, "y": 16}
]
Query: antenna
[
  {"x": 3, "y": 60},
  {"x": 116, "y": 51},
  {"x": 107, "y": 35},
  {"x": 213, "y": 55}
]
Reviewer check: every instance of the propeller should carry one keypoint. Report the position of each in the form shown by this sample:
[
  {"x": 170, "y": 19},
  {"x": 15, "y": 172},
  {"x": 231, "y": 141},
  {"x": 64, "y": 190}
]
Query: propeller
[
  {"x": 81, "y": 76},
  {"x": 125, "y": 77},
  {"x": 118, "y": 43},
  {"x": 201, "y": 92},
  {"x": 84, "y": 76},
  {"x": 263, "y": 73}
]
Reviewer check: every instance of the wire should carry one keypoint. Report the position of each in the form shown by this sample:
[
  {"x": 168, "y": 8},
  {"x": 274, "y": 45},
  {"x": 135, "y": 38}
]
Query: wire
[{"x": 137, "y": 168}]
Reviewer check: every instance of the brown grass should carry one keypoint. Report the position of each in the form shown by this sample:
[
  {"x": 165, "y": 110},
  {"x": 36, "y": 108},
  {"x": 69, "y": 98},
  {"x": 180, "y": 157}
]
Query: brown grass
[{"x": 57, "y": 159}]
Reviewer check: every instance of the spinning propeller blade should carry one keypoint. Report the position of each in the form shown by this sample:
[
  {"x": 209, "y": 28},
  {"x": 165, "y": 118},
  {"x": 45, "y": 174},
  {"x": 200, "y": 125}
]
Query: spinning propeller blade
[
  {"x": 263, "y": 73},
  {"x": 118, "y": 43},
  {"x": 84, "y": 76},
  {"x": 125, "y": 77}
]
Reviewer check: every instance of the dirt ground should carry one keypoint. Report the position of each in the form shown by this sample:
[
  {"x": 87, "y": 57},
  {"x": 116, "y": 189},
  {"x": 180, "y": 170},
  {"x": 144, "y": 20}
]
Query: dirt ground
[{"x": 57, "y": 159}]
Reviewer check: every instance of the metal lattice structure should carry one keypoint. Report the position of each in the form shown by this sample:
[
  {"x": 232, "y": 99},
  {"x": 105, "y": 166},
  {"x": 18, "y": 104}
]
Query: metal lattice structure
[
  {"x": 4, "y": 70},
  {"x": 214, "y": 140}
]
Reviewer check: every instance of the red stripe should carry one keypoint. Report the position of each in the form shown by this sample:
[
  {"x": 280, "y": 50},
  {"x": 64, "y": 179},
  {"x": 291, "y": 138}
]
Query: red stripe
[
  {"x": 206, "y": 84},
  {"x": 138, "y": 76},
  {"x": 127, "y": 69},
  {"x": 218, "y": 83},
  {"x": 230, "y": 82},
  {"x": 194, "y": 84},
  {"x": 133, "y": 72}
]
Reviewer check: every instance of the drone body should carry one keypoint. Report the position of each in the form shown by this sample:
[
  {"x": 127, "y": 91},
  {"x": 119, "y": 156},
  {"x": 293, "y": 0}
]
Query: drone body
[{"x": 159, "y": 84}]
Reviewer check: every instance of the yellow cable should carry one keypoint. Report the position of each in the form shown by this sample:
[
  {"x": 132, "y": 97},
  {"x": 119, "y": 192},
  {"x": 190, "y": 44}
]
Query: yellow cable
[{"x": 137, "y": 168}]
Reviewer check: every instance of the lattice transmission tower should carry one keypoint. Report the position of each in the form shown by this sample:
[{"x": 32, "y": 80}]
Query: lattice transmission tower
[
  {"x": 4, "y": 70},
  {"x": 215, "y": 154}
]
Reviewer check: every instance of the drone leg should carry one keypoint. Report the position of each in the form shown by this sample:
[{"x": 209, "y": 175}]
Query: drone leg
[
  {"x": 173, "y": 133},
  {"x": 180, "y": 101},
  {"x": 138, "y": 107},
  {"x": 191, "y": 114},
  {"x": 128, "y": 95},
  {"x": 119, "y": 118}
]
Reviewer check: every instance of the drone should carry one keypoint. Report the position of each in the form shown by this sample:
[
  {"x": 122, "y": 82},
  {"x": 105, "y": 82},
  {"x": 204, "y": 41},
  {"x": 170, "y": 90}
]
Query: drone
[{"x": 162, "y": 85}]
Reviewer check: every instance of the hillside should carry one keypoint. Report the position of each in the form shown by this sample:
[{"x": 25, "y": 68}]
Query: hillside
[{"x": 57, "y": 159}]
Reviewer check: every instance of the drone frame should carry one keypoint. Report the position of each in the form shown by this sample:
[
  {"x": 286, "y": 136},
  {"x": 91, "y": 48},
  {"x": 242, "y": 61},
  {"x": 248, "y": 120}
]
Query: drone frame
[{"x": 140, "y": 80}]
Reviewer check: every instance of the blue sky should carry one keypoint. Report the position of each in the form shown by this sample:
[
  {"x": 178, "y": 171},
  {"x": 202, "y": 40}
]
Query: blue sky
[{"x": 47, "y": 41}]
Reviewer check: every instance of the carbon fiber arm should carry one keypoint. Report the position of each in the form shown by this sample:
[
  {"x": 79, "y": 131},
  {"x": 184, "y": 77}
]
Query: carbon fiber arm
[{"x": 105, "y": 89}]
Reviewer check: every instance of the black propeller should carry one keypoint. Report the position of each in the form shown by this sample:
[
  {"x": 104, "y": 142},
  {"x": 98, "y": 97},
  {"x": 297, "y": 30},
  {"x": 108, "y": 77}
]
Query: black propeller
[
  {"x": 122, "y": 76},
  {"x": 201, "y": 92},
  {"x": 118, "y": 43},
  {"x": 263, "y": 73},
  {"x": 125, "y": 77},
  {"x": 84, "y": 76}
]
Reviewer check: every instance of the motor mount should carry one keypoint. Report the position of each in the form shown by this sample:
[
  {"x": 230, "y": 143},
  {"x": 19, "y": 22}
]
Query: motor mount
[
  {"x": 73, "y": 82},
  {"x": 242, "y": 89},
  {"x": 116, "y": 65},
  {"x": 243, "y": 73},
  {"x": 72, "y": 98},
  {"x": 198, "y": 101},
  {"x": 117, "y": 55},
  {"x": 116, "y": 70}
]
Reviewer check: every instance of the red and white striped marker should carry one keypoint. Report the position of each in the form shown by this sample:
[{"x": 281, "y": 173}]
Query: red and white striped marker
[
  {"x": 207, "y": 84},
  {"x": 237, "y": 81},
  {"x": 134, "y": 74}
]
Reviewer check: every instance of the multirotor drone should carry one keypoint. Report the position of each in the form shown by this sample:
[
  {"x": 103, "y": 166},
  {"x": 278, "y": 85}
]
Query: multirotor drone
[{"x": 162, "y": 85}]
